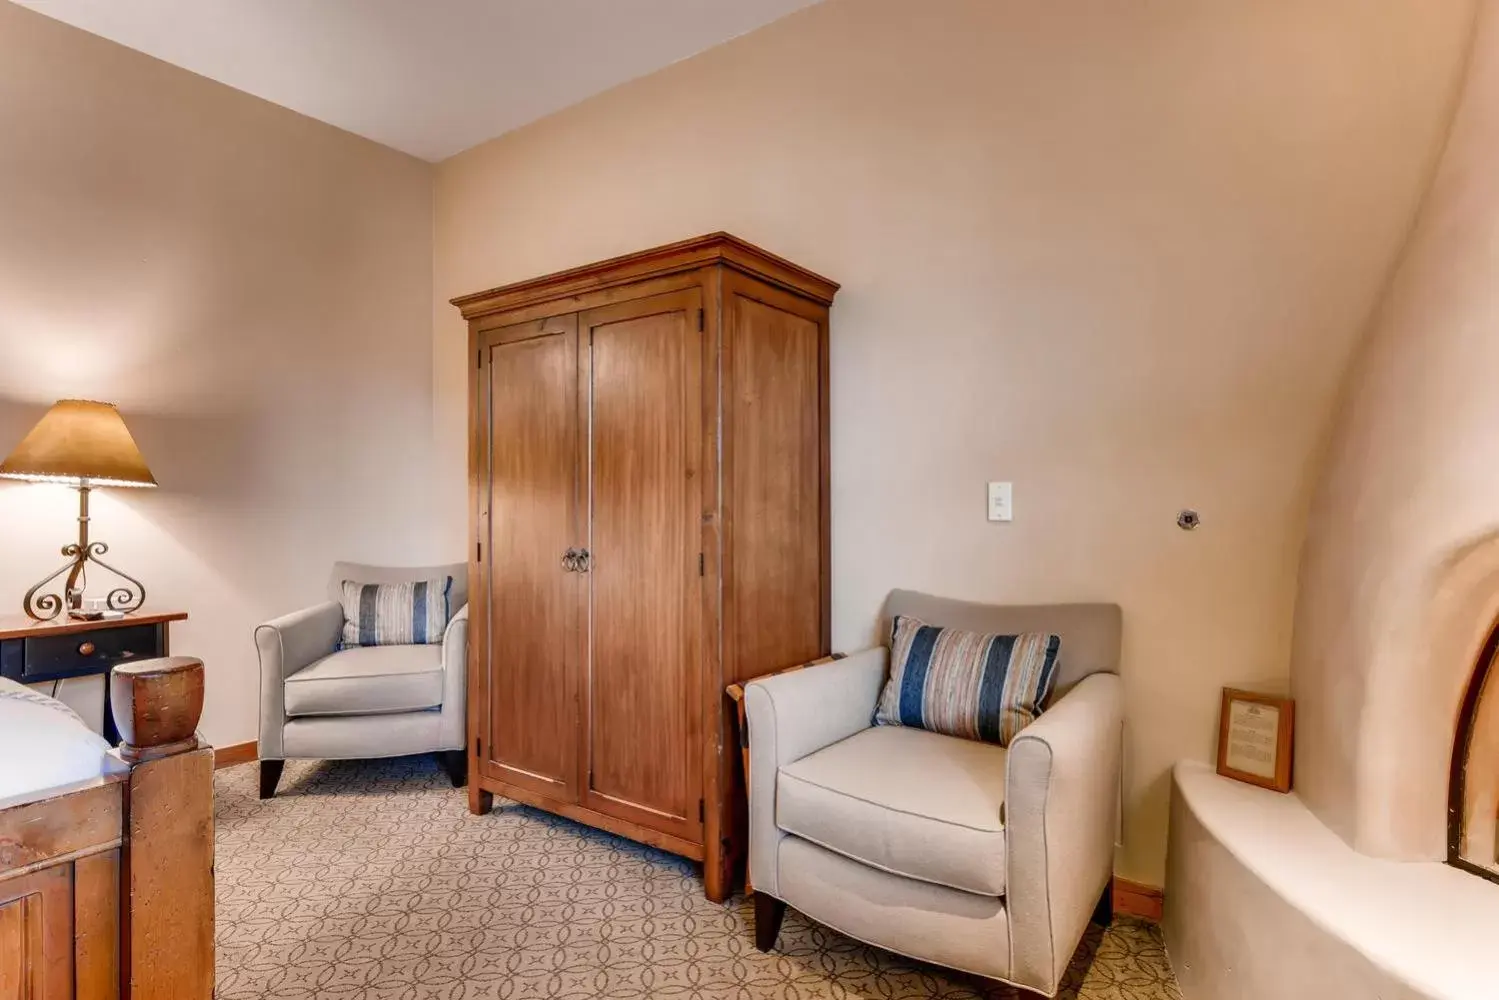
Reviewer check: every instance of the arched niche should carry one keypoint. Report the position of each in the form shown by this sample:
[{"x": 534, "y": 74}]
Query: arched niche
[{"x": 1473, "y": 791}]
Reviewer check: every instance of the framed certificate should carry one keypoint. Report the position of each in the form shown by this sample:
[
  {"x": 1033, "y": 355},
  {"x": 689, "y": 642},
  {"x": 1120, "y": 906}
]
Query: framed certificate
[{"x": 1254, "y": 738}]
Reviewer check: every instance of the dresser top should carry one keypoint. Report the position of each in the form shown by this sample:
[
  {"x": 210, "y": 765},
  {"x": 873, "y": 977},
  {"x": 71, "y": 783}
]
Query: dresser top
[{"x": 22, "y": 627}]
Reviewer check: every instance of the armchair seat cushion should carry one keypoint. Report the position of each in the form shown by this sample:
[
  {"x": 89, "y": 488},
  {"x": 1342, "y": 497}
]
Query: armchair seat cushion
[
  {"x": 367, "y": 680},
  {"x": 905, "y": 800}
]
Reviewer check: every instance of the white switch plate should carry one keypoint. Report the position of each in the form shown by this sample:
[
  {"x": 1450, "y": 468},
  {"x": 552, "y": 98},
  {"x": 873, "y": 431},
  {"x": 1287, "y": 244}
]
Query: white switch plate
[{"x": 1000, "y": 508}]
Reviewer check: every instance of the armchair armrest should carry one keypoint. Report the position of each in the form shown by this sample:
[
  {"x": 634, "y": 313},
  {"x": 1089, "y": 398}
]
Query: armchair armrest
[
  {"x": 286, "y": 645},
  {"x": 1061, "y": 804},
  {"x": 792, "y": 715},
  {"x": 455, "y": 679},
  {"x": 459, "y": 620}
]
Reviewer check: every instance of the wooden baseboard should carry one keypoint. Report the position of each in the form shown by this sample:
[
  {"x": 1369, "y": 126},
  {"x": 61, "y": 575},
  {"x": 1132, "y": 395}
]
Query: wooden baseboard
[
  {"x": 238, "y": 753},
  {"x": 1143, "y": 901}
]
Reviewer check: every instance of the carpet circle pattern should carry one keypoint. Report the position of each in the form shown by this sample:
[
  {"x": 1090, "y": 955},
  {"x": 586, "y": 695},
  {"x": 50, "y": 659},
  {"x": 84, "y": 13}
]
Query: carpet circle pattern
[{"x": 369, "y": 880}]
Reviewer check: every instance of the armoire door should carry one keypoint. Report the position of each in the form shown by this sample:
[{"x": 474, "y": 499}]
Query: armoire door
[
  {"x": 529, "y": 520},
  {"x": 640, "y": 375}
]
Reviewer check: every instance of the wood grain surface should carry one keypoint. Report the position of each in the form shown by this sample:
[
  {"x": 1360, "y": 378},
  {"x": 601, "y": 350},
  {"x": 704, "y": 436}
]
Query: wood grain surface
[
  {"x": 640, "y": 480},
  {"x": 22, "y": 627},
  {"x": 36, "y": 935},
  {"x": 685, "y": 255},
  {"x": 96, "y": 926},
  {"x": 169, "y": 878},
  {"x": 157, "y": 704},
  {"x": 88, "y": 819},
  {"x": 774, "y": 581},
  {"x": 531, "y": 514}
]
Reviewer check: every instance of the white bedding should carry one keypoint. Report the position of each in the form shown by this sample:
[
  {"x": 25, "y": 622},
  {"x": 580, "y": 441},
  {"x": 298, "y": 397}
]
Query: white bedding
[{"x": 43, "y": 743}]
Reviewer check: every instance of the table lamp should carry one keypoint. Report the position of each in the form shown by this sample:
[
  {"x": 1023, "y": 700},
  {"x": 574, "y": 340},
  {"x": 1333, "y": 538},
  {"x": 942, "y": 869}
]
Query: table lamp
[{"x": 82, "y": 444}]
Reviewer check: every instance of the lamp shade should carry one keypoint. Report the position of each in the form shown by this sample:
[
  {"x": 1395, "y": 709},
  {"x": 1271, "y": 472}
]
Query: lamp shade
[{"x": 79, "y": 442}]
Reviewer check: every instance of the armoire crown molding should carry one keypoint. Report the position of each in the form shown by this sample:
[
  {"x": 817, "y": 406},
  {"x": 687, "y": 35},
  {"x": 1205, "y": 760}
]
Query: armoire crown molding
[{"x": 684, "y": 255}]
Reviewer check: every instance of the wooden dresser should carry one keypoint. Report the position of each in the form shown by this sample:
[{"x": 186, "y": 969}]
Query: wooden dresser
[{"x": 649, "y": 475}]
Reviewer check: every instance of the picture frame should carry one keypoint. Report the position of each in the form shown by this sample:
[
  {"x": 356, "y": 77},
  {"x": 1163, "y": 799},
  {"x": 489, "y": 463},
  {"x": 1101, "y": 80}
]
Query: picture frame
[{"x": 1256, "y": 733}]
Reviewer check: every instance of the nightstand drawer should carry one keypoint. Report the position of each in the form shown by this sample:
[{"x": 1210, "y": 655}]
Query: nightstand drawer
[{"x": 50, "y": 657}]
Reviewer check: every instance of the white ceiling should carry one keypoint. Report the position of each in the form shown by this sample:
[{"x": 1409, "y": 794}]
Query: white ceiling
[{"x": 430, "y": 77}]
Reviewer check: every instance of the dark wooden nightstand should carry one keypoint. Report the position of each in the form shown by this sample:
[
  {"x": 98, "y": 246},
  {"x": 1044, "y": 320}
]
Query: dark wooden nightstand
[{"x": 34, "y": 652}]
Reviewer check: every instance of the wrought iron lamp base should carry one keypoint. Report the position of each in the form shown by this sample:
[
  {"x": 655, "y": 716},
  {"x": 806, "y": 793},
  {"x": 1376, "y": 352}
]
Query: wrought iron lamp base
[{"x": 45, "y": 607}]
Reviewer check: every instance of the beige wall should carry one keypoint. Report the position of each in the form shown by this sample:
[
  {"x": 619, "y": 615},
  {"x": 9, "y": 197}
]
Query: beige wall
[
  {"x": 253, "y": 288},
  {"x": 1116, "y": 253},
  {"x": 1400, "y": 583}
]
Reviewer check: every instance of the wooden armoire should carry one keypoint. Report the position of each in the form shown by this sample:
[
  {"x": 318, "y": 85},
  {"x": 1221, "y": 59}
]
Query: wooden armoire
[{"x": 649, "y": 478}]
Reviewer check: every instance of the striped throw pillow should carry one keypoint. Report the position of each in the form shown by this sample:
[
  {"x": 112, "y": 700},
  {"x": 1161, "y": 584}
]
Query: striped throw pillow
[
  {"x": 971, "y": 684},
  {"x": 395, "y": 614}
]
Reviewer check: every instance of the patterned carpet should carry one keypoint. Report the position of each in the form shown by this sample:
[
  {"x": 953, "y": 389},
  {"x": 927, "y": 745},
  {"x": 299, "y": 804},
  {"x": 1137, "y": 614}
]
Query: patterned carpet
[{"x": 370, "y": 881}]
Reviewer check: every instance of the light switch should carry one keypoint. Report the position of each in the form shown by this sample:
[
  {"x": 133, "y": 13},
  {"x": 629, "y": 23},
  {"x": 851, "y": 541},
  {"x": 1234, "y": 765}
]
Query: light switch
[{"x": 1000, "y": 508}]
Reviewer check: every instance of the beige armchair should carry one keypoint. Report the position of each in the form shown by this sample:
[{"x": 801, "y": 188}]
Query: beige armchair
[
  {"x": 318, "y": 701},
  {"x": 968, "y": 855}
]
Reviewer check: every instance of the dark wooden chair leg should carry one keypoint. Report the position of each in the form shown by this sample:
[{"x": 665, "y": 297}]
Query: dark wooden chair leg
[
  {"x": 1103, "y": 913},
  {"x": 455, "y": 762},
  {"x": 270, "y": 776},
  {"x": 769, "y": 912}
]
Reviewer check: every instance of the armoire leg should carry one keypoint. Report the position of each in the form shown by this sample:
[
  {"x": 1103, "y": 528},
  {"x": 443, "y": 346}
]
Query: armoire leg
[
  {"x": 715, "y": 885},
  {"x": 270, "y": 776},
  {"x": 769, "y": 912},
  {"x": 455, "y": 762},
  {"x": 1103, "y": 913},
  {"x": 479, "y": 801}
]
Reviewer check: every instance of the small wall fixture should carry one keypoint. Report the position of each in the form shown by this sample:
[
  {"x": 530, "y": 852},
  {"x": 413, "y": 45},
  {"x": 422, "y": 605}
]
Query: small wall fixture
[
  {"x": 1188, "y": 519},
  {"x": 82, "y": 444}
]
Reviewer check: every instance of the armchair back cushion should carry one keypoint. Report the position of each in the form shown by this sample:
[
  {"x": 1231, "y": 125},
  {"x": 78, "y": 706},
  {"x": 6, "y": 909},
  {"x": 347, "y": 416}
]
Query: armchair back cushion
[
  {"x": 1090, "y": 633},
  {"x": 361, "y": 573}
]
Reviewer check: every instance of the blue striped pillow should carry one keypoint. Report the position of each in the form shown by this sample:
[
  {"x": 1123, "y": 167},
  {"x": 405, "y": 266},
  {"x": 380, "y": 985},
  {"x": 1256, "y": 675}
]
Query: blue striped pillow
[
  {"x": 976, "y": 685},
  {"x": 395, "y": 614}
]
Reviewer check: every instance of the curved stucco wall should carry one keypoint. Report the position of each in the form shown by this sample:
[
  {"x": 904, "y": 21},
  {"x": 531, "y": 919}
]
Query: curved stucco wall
[{"x": 1400, "y": 574}]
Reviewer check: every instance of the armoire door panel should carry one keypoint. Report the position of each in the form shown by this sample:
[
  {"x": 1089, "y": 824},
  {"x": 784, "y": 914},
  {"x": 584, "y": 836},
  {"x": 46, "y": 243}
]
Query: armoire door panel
[
  {"x": 642, "y": 373},
  {"x": 773, "y": 481},
  {"x": 531, "y": 521}
]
